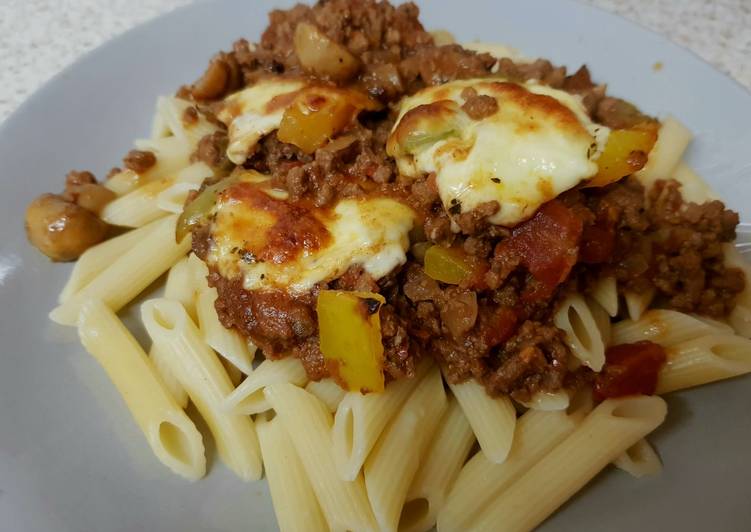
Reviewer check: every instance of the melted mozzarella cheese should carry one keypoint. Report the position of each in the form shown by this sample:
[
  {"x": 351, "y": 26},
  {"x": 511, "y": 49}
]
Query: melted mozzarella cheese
[
  {"x": 372, "y": 233},
  {"x": 539, "y": 143},
  {"x": 254, "y": 112}
]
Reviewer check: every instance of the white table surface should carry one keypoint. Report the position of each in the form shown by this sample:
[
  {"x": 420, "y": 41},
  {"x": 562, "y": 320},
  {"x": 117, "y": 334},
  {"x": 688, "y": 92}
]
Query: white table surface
[{"x": 38, "y": 38}]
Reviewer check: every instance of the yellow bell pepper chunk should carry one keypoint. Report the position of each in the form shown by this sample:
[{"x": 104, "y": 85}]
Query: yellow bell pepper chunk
[
  {"x": 349, "y": 327},
  {"x": 448, "y": 265},
  {"x": 625, "y": 153},
  {"x": 319, "y": 113}
]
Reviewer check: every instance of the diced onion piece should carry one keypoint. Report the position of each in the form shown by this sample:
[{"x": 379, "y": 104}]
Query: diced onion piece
[
  {"x": 625, "y": 153},
  {"x": 448, "y": 265},
  {"x": 319, "y": 113},
  {"x": 321, "y": 55},
  {"x": 350, "y": 334}
]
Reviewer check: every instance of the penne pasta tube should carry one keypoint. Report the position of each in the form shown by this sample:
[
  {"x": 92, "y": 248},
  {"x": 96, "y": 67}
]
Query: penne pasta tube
[
  {"x": 693, "y": 187},
  {"x": 95, "y": 259},
  {"x": 123, "y": 182},
  {"x": 172, "y": 199},
  {"x": 665, "y": 327},
  {"x": 740, "y": 320},
  {"x": 172, "y": 155},
  {"x": 602, "y": 320},
  {"x": 704, "y": 359},
  {"x": 141, "y": 205},
  {"x": 610, "y": 429},
  {"x": 605, "y": 292},
  {"x": 235, "y": 375},
  {"x": 637, "y": 304},
  {"x": 328, "y": 391},
  {"x": 130, "y": 273},
  {"x": 227, "y": 342},
  {"x": 169, "y": 431},
  {"x": 159, "y": 356},
  {"x": 180, "y": 286},
  {"x": 438, "y": 469},
  {"x": 583, "y": 336},
  {"x": 308, "y": 423},
  {"x": 639, "y": 460},
  {"x": 295, "y": 503},
  {"x": 200, "y": 372},
  {"x": 394, "y": 460},
  {"x": 481, "y": 481},
  {"x": 190, "y": 131},
  {"x": 548, "y": 401},
  {"x": 672, "y": 140},
  {"x": 159, "y": 127},
  {"x": 360, "y": 420},
  {"x": 138, "y": 207},
  {"x": 248, "y": 398},
  {"x": 740, "y": 316},
  {"x": 492, "y": 419}
]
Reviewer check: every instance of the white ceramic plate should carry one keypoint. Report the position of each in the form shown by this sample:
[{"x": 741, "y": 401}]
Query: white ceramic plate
[{"x": 71, "y": 459}]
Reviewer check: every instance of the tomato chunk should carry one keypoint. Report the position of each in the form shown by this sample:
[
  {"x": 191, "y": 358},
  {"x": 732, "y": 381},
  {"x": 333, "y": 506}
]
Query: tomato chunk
[
  {"x": 630, "y": 369},
  {"x": 548, "y": 245}
]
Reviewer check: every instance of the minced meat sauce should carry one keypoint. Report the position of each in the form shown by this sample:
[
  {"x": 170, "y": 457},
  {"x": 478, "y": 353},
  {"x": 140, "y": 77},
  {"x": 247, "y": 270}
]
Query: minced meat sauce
[{"x": 496, "y": 326}]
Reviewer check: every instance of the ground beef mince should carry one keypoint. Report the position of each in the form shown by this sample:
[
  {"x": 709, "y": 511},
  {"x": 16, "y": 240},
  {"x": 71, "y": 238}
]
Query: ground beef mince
[
  {"x": 496, "y": 326},
  {"x": 139, "y": 160}
]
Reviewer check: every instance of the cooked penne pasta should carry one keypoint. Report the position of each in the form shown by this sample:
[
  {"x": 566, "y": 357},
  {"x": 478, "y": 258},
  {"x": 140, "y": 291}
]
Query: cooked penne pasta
[
  {"x": 295, "y": 503},
  {"x": 704, "y": 359},
  {"x": 191, "y": 131},
  {"x": 481, "y": 481},
  {"x": 159, "y": 356},
  {"x": 665, "y": 327},
  {"x": 201, "y": 374},
  {"x": 439, "y": 467},
  {"x": 673, "y": 139},
  {"x": 248, "y": 398},
  {"x": 360, "y": 420},
  {"x": 548, "y": 401},
  {"x": 492, "y": 419},
  {"x": 141, "y": 205},
  {"x": 169, "y": 431},
  {"x": 693, "y": 187},
  {"x": 130, "y": 273},
  {"x": 328, "y": 391},
  {"x": 610, "y": 429},
  {"x": 605, "y": 292},
  {"x": 308, "y": 423},
  {"x": 172, "y": 199},
  {"x": 123, "y": 182},
  {"x": 394, "y": 460},
  {"x": 637, "y": 304},
  {"x": 172, "y": 155},
  {"x": 602, "y": 320},
  {"x": 235, "y": 375},
  {"x": 199, "y": 270},
  {"x": 583, "y": 336},
  {"x": 227, "y": 342},
  {"x": 159, "y": 127},
  {"x": 180, "y": 286},
  {"x": 639, "y": 460},
  {"x": 740, "y": 316},
  {"x": 97, "y": 258},
  {"x": 138, "y": 207}
]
